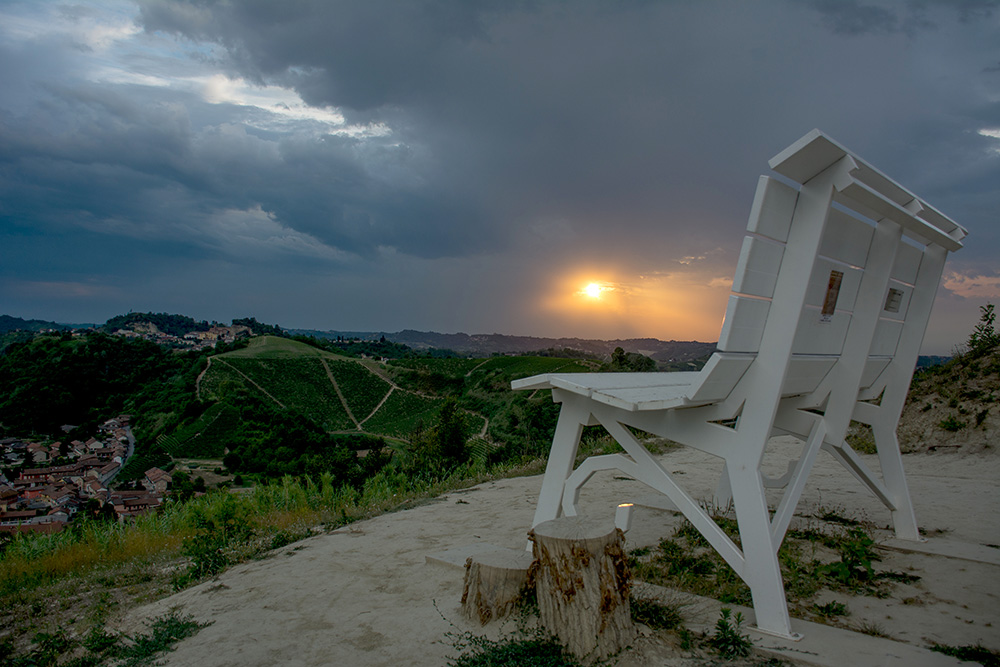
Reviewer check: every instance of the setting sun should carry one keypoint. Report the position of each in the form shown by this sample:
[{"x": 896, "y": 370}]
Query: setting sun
[{"x": 593, "y": 290}]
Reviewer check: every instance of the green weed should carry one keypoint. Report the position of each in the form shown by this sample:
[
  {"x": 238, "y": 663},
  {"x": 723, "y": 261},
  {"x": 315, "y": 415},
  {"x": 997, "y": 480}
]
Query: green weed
[{"x": 728, "y": 639}]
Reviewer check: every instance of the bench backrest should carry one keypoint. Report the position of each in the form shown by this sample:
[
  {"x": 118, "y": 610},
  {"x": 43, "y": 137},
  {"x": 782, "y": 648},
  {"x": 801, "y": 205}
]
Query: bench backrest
[{"x": 839, "y": 267}]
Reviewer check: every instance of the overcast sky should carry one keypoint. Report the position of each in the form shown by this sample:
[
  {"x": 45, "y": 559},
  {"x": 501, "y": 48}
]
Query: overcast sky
[{"x": 465, "y": 166}]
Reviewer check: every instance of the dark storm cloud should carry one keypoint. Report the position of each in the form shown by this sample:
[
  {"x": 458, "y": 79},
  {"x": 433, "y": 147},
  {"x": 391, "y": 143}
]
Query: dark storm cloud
[
  {"x": 582, "y": 110},
  {"x": 131, "y": 164}
]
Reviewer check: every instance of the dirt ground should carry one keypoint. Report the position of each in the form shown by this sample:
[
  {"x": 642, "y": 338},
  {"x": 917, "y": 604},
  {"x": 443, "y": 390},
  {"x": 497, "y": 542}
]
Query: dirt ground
[{"x": 367, "y": 595}]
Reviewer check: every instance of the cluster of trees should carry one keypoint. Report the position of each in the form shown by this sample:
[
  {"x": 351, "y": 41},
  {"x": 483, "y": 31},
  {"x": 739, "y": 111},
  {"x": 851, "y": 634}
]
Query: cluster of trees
[
  {"x": 56, "y": 379},
  {"x": 632, "y": 362},
  {"x": 442, "y": 445},
  {"x": 259, "y": 328},
  {"x": 272, "y": 442}
]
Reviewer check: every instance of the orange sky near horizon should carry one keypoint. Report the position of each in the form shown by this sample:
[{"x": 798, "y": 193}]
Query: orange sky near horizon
[{"x": 670, "y": 306}]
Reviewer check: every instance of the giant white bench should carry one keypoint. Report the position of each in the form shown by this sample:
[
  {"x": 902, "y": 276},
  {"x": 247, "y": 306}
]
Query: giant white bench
[{"x": 831, "y": 298}]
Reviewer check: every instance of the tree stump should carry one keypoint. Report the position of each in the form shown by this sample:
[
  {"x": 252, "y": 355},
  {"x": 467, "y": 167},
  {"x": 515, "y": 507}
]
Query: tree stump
[
  {"x": 582, "y": 581},
  {"x": 494, "y": 582}
]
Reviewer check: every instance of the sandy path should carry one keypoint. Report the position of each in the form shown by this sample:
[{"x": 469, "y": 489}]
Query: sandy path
[
  {"x": 364, "y": 595},
  {"x": 248, "y": 379},
  {"x": 340, "y": 394}
]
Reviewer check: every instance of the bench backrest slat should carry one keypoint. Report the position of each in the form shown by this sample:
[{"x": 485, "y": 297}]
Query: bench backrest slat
[{"x": 862, "y": 202}]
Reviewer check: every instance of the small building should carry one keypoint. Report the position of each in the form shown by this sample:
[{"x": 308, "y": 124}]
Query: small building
[{"x": 157, "y": 481}]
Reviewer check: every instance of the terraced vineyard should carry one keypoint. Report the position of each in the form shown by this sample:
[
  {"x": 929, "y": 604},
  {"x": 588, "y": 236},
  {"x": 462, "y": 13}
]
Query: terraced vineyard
[
  {"x": 401, "y": 412},
  {"x": 292, "y": 375},
  {"x": 448, "y": 366},
  {"x": 299, "y": 383},
  {"x": 362, "y": 389}
]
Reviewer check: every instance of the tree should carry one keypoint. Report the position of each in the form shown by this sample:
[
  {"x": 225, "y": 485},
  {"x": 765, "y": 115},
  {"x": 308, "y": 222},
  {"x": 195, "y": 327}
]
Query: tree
[
  {"x": 631, "y": 361},
  {"x": 450, "y": 433},
  {"x": 984, "y": 337},
  {"x": 444, "y": 443}
]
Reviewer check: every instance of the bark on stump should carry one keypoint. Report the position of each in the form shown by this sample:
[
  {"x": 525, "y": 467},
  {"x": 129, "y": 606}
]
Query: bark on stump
[
  {"x": 494, "y": 582},
  {"x": 582, "y": 581}
]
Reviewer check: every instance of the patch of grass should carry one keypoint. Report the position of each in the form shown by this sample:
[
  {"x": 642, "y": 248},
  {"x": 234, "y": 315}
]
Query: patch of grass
[
  {"x": 832, "y": 609},
  {"x": 861, "y": 439},
  {"x": 951, "y": 424},
  {"x": 972, "y": 653},
  {"x": 535, "y": 650},
  {"x": 872, "y": 628},
  {"x": 836, "y": 515},
  {"x": 656, "y": 614},
  {"x": 165, "y": 633},
  {"x": 818, "y": 557},
  {"x": 99, "y": 647}
]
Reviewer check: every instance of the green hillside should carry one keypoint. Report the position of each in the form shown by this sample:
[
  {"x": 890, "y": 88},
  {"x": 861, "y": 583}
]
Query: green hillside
[
  {"x": 397, "y": 400},
  {"x": 294, "y": 376}
]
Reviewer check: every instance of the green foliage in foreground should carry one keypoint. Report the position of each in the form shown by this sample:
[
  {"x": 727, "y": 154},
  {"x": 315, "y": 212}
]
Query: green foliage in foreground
[
  {"x": 535, "y": 650},
  {"x": 984, "y": 337},
  {"x": 101, "y": 648},
  {"x": 728, "y": 639},
  {"x": 838, "y": 554}
]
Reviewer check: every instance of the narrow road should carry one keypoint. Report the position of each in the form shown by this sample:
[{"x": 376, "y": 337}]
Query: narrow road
[
  {"x": 392, "y": 388},
  {"x": 476, "y": 367}
]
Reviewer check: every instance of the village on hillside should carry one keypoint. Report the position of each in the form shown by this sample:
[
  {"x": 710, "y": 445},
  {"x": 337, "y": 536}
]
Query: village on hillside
[
  {"x": 73, "y": 477},
  {"x": 194, "y": 340}
]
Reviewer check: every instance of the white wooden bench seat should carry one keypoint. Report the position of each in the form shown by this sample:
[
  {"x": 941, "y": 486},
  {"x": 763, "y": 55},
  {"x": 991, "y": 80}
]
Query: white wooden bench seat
[{"x": 832, "y": 294}]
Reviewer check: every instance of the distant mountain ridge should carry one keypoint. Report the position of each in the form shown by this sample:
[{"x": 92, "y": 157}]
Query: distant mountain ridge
[
  {"x": 487, "y": 344},
  {"x": 481, "y": 345}
]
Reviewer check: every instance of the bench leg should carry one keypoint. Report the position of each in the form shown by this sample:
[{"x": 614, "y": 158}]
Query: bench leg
[
  {"x": 723, "y": 496},
  {"x": 761, "y": 571},
  {"x": 562, "y": 455},
  {"x": 891, "y": 461}
]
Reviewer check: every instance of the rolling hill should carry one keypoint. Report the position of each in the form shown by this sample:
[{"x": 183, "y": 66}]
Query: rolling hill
[{"x": 346, "y": 396}]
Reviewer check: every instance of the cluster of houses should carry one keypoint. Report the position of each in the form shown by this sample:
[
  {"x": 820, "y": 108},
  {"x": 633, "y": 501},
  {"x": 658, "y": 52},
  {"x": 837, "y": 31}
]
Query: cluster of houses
[
  {"x": 44, "y": 498},
  {"x": 195, "y": 340}
]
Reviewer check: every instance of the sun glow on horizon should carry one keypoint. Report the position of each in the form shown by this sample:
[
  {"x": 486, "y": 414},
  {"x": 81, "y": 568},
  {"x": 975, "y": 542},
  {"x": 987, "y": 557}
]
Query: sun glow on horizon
[{"x": 685, "y": 304}]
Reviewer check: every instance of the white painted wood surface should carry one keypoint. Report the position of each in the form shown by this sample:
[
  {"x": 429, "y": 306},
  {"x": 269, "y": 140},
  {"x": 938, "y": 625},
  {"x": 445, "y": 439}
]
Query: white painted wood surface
[{"x": 832, "y": 294}]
